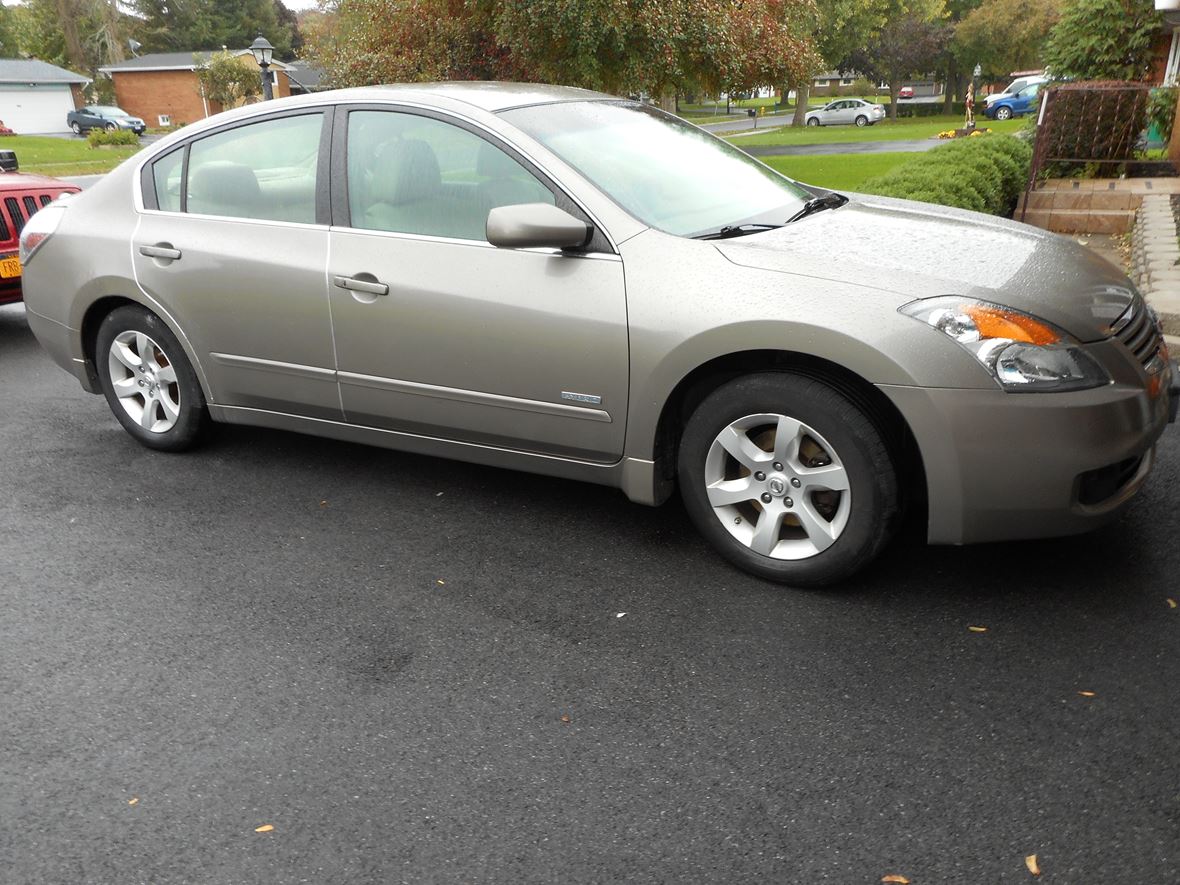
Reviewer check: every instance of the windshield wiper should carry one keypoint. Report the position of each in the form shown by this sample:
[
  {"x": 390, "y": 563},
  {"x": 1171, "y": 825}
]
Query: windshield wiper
[
  {"x": 736, "y": 230},
  {"x": 827, "y": 201}
]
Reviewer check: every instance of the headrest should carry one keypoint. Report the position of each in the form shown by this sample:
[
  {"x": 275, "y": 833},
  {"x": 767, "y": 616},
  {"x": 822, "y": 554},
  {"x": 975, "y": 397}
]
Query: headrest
[
  {"x": 407, "y": 170},
  {"x": 225, "y": 185}
]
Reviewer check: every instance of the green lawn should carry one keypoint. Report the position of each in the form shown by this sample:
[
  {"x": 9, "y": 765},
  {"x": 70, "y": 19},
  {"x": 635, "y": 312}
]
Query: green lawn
[
  {"x": 840, "y": 172},
  {"x": 905, "y": 129},
  {"x": 63, "y": 156}
]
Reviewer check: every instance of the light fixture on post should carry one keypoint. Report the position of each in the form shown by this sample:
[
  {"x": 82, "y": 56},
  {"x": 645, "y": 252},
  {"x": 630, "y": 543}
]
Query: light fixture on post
[{"x": 263, "y": 53}]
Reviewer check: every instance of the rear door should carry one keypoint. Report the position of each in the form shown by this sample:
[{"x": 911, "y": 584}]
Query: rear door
[{"x": 234, "y": 243}]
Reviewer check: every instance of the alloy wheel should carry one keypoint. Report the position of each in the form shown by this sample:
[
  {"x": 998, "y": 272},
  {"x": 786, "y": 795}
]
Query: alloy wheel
[
  {"x": 144, "y": 381},
  {"x": 777, "y": 486}
]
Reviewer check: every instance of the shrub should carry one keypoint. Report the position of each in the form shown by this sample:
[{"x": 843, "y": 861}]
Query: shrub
[
  {"x": 926, "y": 109},
  {"x": 985, "y": 174},
  {"x": 1161, "y": 111},
  {"x": 99, "y": 137}
]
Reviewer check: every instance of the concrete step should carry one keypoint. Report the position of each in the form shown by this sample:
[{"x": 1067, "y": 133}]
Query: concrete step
[
  {"x": 1081, "y": 221},
  {"x": 1109, "y": 200}
]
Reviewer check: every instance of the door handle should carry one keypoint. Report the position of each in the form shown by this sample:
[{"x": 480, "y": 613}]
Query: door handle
[
  {"x": 165, "y": 252},
  {"x": 355, "y": 285}
]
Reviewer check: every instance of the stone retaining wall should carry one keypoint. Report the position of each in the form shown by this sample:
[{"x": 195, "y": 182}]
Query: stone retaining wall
[{"x": 1155, "y": 258}]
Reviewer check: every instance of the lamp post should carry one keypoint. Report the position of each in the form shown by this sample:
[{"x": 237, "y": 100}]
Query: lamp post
[{"x": 263, "y": 53}]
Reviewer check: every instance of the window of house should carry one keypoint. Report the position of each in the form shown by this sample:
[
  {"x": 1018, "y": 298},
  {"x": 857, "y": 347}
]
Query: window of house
[
  {"x": 821, "y": 83},
  {"x": 413, "y": 174},
  {"x": 264, "y": 170}
]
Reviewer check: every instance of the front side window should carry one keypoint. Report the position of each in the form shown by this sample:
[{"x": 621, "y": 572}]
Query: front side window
[
  {"x": 263, "y": 170},
  {"x": 413, "y": 174},
  {"x": 665, "y": 172}
]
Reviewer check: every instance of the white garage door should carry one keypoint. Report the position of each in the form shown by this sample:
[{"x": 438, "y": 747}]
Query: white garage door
[{"x": 32, "y": 110}]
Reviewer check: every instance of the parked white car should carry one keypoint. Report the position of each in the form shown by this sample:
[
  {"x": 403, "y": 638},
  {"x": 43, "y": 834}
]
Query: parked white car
[{"x": 847, "y": 110}]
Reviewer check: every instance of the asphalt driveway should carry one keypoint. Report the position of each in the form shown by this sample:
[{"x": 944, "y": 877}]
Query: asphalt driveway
[{"x": 421, "y": 671}]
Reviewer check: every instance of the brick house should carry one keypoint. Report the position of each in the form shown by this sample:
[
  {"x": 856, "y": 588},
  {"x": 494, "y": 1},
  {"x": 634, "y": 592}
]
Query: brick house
[{"x": 162, "y": 88}]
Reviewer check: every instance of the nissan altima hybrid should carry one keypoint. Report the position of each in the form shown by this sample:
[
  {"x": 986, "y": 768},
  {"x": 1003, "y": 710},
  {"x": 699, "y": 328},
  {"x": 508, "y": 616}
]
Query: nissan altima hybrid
[{"x": 559, "y": 281}]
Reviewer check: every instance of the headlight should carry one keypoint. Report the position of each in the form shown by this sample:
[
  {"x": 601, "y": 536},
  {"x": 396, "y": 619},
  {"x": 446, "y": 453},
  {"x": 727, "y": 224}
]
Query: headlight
[{"x": 1023, "y": 353}]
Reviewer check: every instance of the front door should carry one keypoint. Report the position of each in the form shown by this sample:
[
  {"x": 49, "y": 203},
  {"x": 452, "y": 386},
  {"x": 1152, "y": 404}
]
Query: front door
[
  {"x": 235, "y": 253},
  {"x": 439, "y": 333}
]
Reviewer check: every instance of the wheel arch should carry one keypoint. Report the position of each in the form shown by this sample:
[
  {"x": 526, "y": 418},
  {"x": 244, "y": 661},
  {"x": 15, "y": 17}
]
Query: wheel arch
[
  {"x": 708, "y": 376},
  {"x": 97, "y": 310}
]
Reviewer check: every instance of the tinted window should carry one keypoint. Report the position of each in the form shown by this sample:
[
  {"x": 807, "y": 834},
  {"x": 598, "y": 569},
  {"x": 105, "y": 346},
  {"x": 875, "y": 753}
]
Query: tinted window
[
  {"x": 414, "y": 174},
  {"x": 261, "y": 170},
  {"x": 166, "y": 175}
]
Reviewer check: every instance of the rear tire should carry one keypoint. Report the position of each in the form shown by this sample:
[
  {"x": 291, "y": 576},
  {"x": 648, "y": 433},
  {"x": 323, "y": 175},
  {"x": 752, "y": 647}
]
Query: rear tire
[
  {"x": 148, "y": 381},
  {"x": 862, "y": 120},
  {"x": 788, "y": 479}
]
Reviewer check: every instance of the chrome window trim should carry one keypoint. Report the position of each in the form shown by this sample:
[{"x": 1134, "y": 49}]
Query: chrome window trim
[
  {"x": 238, "y": 219},
  {"x": 328, "y": 107},
  {"x": 479, "y": 244}
]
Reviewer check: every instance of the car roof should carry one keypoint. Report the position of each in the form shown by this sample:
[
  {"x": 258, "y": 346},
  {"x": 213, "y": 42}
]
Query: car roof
[{"x": 492, "y": 96}]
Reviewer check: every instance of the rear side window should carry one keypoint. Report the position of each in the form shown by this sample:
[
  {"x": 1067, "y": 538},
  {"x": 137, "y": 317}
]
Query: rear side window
[
  {"x": 166, "y": 174},
  {"x": 265, "y": 170}
]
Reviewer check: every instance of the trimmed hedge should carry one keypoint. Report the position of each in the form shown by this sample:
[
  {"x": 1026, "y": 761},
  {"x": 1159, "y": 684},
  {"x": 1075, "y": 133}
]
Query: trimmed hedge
[
  {"x": 984, "y": 173},
  {"x": 100, "y": 137},
  {"x": 930, "y": 109}
]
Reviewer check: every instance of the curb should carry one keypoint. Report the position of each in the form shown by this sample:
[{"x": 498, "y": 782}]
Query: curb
[{"x": 1155, "y": 259}]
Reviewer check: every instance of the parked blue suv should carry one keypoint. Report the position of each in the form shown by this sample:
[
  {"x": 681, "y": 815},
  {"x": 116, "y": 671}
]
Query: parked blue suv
[{"x": 1013, "y": 105}]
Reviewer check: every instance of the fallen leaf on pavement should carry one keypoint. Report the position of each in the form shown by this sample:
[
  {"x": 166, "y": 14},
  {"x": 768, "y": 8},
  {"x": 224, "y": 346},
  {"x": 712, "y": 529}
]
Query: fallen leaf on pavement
[
  {"x": 898, "y": 880},
  {"x": 440, "y": 581},
  {"x": 620, "y": 614},
  {"x": 1031, "y": 863},
  {"x": 1172, "y": 603},
  {"x": 265, "y": 828},
  {"x": 134, "y": 800},
  {"x": 565, "y": 717},
  {"x": 975, "y": 629},
  {"x": 323, "y": 503},
  {"x": 1087, "y": 694}
]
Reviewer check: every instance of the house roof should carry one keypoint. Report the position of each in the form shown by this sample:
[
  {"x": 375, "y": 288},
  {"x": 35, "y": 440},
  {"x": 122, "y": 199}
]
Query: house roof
[
  {"x": 305, "y": 74},
  {"x": 172, "y": 61},
  {"x": 33, "y": 70}
]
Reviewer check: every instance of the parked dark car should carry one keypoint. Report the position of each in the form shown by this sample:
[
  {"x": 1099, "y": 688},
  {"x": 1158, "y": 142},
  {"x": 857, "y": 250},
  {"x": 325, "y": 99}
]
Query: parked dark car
[
  {"x": 21, "y": 195},
  {"x": 97, "y": 116}
]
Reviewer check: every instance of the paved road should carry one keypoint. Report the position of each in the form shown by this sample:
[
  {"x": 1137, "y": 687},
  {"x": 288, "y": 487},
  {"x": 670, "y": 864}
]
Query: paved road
[
  {"x": 258, "y": 634},
  {"x": 863, "y": 147}
]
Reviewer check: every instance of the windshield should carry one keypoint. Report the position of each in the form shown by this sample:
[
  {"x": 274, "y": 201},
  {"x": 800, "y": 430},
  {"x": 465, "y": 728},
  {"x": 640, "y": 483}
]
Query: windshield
[
  {"x": 111, "y": 112},
  {"x": 666, "y": 173}
]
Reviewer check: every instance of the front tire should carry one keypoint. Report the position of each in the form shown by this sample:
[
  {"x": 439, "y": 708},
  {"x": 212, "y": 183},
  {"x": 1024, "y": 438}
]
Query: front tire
[
  {"x": 76, "y": 127},
  {"x": 148, "y": 382},
  {"x": 1004, "y": 113},
  {"x": 788, "y": 479},
  {"x": 110, "y": 127},
  {"x": 813, "y": 121}
]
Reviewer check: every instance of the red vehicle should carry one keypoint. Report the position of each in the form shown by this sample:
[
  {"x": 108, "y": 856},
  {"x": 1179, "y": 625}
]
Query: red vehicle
[
  {"x": 21, "y": 195},
  {"x": 905, "y": 92}
]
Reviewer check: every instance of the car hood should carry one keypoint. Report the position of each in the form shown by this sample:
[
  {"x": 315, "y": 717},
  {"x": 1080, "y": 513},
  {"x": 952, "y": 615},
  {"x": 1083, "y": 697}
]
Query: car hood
[
  {"x": 920, "y": 250},
  {"x": 988, "y": 99}
]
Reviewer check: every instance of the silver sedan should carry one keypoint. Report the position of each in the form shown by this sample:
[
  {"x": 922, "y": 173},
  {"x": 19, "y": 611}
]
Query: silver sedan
[
  {"x": 560, "y": 281},
  {"x": 854, "y": 111}
]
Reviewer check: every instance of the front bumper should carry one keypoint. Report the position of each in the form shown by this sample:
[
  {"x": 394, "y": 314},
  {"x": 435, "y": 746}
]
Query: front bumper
[{"x": 1002, "y": 466}]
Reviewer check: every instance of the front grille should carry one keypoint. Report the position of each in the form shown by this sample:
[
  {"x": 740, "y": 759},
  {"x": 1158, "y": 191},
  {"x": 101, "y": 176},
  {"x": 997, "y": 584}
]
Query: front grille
[
  {"x": 1138, "y": 330},
  {"x": 15, "y": 213}
]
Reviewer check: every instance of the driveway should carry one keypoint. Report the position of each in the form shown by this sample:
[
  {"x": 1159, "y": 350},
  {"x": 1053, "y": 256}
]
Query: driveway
[{"x": 416, "y": 670}]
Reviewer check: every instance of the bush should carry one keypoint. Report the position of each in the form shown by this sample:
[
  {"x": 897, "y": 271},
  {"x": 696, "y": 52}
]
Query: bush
[
  {"x": 1161, "y": 111},
  {"x": 984, "y": 174},
  {"x": 100, "y": 137},
  {"x": 931, "y": 109}
]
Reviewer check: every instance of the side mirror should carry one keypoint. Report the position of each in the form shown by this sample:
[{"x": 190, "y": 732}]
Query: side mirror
[{"x": 536, "y": 225}]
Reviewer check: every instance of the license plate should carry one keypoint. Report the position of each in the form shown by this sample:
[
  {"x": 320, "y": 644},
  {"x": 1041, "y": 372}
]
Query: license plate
[{"x": 9, "y": 267}]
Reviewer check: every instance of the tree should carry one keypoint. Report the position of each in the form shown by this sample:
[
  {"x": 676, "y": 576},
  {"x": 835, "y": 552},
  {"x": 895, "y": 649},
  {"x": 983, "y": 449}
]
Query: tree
[
  {"x": 1003, "y": 36},
  {"x": 614, "y": 45},
  {"x": 186, "y": 25},
  {"x": 908, "y": 45},
  {"x": 1103, "y": 39},
  {"x": 227, "y": 80},
  {"x": 81, "y": 35},
  {"x": 9, "y": 46}
]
